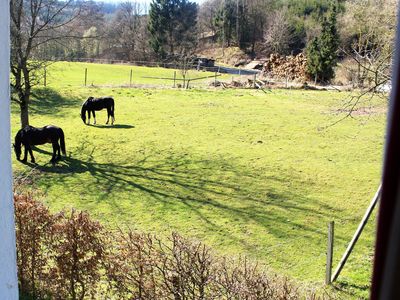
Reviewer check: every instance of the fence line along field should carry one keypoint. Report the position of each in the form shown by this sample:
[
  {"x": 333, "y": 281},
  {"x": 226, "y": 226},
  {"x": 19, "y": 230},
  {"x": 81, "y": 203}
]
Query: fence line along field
[
  {"x": 247, "y": 172},
  {"x": 73, "y": 74}
]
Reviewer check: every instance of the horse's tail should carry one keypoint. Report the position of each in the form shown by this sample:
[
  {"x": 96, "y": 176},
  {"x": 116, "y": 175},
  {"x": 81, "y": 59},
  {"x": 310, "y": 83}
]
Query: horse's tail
[
  {"x": 112, "y": 109},
  {"x": 62, "y": 142}
]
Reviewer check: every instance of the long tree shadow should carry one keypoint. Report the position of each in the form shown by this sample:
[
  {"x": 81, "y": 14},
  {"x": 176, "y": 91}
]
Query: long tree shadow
[
  {"x": 46, "y": 101},
  {"x": 230, "y": 191},
  {"x": 200, "y": 192}
]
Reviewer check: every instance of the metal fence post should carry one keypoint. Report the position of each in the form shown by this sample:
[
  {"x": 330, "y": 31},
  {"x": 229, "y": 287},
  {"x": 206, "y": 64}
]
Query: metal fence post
[
  {"x": 130, "y": 79},
  {"x": 85, "y": 76}
]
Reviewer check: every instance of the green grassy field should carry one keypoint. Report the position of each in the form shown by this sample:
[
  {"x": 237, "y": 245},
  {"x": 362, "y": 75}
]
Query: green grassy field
[{"x": 246, "y": 172}]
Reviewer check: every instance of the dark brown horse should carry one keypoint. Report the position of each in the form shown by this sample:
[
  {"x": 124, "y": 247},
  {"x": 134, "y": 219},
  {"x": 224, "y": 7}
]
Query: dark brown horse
[
  {"x": 93, "y": 104},
  {"x": 30, "y": 136}
]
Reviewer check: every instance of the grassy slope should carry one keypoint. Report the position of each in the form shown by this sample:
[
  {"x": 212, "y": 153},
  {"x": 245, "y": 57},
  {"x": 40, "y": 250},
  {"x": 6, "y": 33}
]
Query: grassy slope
[{"x": 244, "y": 171}]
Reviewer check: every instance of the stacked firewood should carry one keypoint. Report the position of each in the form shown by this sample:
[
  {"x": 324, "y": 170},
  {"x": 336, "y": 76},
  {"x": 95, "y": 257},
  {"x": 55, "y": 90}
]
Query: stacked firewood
[{"x": 290, "y": 67}]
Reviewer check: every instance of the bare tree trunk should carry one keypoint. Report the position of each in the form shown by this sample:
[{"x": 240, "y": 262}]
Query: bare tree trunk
[
  {"x": 24, "y": 114},
  {"x": 253, "y": 38},
  {"x": 28, "y": 20},
  {"x": 237, "y": 23}
]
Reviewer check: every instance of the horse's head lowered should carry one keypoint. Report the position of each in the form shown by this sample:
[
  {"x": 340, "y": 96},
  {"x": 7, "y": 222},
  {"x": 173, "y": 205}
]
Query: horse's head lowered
[
  {"x": 17, "y": 145},
  {"x": 84, "y": 108},
  {"x": 83, "y": 114}
]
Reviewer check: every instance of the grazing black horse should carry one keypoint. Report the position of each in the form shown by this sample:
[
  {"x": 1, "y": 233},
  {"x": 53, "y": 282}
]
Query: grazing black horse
[
  {"x": 93, "y": 104},
  {"x": 30, "y": 136}
]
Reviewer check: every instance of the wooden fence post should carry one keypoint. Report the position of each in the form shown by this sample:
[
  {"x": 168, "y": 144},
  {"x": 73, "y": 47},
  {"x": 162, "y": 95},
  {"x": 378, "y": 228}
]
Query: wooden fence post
[
  {"x": 254, "y": 80},
  {"x": 329, "y": 253},
  {"x": 85, "y": 76},
  {"x": 215, "y": 79},
  {"x": 130, "y": 78},
  {"x": 286, "y": 80},
  {"x": 174, "y": 77},
  {"x": 44, "y": 77}
]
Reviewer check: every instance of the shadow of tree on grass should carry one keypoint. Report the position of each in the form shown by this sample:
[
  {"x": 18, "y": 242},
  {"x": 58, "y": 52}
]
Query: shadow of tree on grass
[
  {"x": 261, "y": 215},
  {"x": 46, "y": 101},
  {"x": 229, "y": 191}
]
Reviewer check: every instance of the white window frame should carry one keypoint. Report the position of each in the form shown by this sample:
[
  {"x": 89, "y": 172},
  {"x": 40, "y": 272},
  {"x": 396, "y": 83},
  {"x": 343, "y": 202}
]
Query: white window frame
[{"x": 8, "y": 259}]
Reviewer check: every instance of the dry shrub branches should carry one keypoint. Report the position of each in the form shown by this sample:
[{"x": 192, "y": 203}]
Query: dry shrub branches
[{"x": 70, "y": 256}]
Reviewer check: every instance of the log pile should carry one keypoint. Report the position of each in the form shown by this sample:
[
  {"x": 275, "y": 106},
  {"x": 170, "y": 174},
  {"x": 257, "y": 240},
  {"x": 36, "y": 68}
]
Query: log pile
[
  {"x": 232, "y": 84},
  {"x": 290, "y": 67}
]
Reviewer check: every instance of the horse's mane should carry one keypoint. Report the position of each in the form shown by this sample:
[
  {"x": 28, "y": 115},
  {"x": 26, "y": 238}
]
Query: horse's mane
[{"x": 18, "y": 135}]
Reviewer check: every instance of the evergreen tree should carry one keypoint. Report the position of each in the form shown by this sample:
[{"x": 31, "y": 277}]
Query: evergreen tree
[
  {"x": 172, "y": 26},
  {"x": 231, "y": 23},
  {"x": 322, "y": 50}
]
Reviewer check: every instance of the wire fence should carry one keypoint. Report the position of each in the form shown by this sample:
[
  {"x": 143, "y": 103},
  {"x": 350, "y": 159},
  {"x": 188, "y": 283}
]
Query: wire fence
[
  {"x": 118, "y": 73},
  {"x": 169, "y": 65}
]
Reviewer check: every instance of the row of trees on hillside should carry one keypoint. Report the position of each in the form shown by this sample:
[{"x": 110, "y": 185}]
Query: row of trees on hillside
[
  {"x": 166, "y": 28},
  {"x": 176, "y": 28},
  {"x": 266, "y": 26},
  {"x": 133, "y": 31}
]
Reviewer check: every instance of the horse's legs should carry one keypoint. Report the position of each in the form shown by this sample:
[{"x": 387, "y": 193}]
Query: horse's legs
[
  {"x": 108, "y": 114},
  {"x": 94, "y": 117},
  {"x": 88, "y": 116},
  {"x": 53, "y": 158},
  {"x": 25, "y": 153},
  {"x": 58, "y": 151},
  {"x": 31, "y": 154}
]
